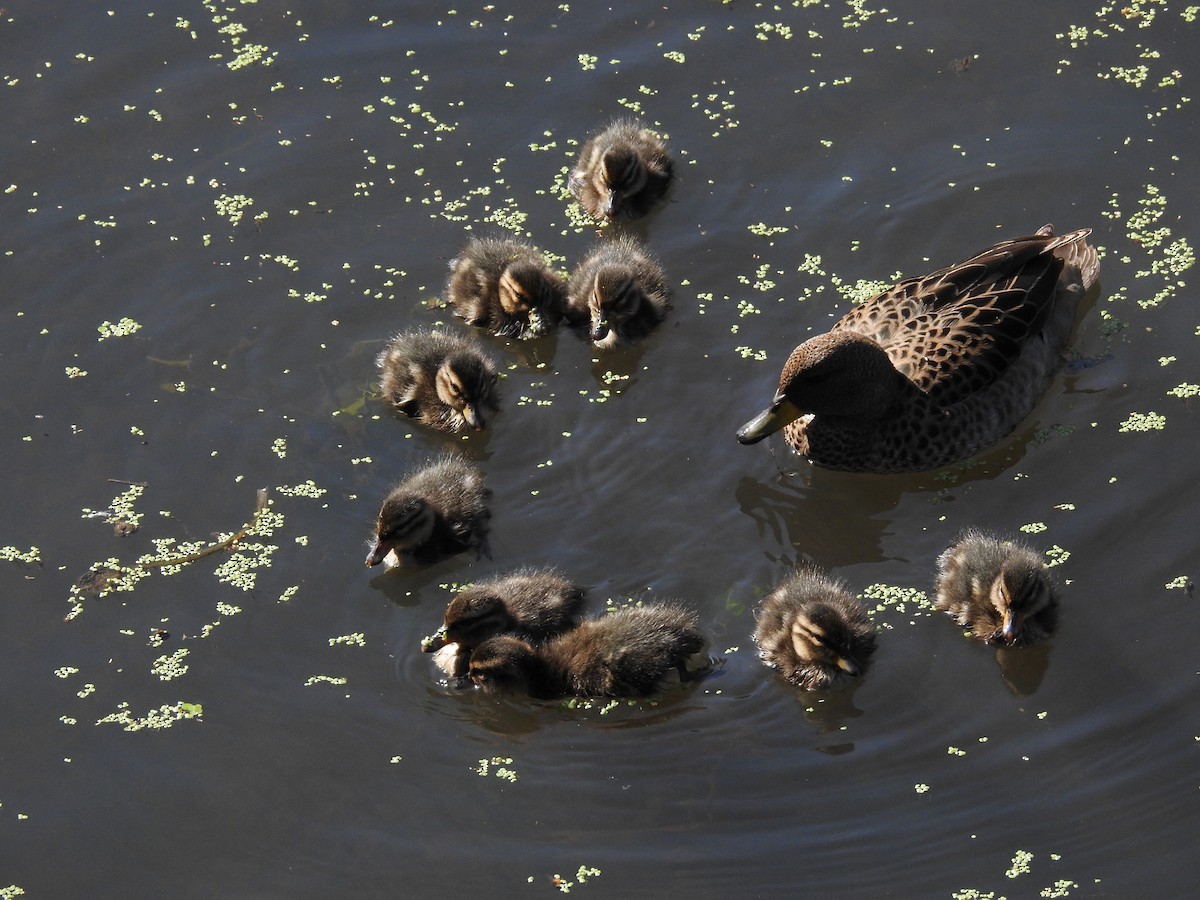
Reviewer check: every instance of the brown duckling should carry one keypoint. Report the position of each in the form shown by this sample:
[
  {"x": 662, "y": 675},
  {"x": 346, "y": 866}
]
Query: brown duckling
[
  {"x": 439, "y": 379},
  {"x": 437, "y": 511},
  {"x": 814, "y": 632},
  {"x": 531, "y": 604},
  {"x": 506, "y": 287},
  {"x": 935, "y": 368},
  {"x": 617, "y": 294},
  {"x": 631, "y": 652},
  {"x": 999, "y": 590},
  {"x": 622, "y": 171}
]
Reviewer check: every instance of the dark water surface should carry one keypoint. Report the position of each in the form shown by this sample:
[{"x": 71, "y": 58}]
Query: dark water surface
[{"x": 311, "y": 750}]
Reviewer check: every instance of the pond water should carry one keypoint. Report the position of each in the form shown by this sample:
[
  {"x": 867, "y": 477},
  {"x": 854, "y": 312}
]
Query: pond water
[{"x": 216, "y": 213}]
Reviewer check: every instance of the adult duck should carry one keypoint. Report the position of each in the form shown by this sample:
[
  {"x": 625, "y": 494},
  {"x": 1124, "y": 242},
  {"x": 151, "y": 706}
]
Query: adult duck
[{"x": 938, "y": 367}]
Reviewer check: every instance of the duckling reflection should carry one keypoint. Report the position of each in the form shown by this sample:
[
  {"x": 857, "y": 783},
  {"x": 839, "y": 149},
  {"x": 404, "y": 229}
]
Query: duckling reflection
[
  {"x": 437, "y": 511},
  {"x": 814, "y": 632},
  {"x": 622, "y": 171},
  {"x": 506, "y": 287},
  {"x": 617, "y": 294},
  {"x": 531, "y": 604},
  {"x": 439, "y": 379},
  {"x": 634, "y": 651},
  {"x": 998, "y": 589}
]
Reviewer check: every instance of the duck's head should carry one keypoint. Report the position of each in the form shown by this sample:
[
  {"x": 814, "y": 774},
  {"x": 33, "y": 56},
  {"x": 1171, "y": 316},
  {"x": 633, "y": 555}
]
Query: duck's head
[
  {"x": 614, "y": 297},
  {"x": 619, "y": 175},
  {"x": 525, "y": 293},
  {"x": 1018, "y": 593},
  {"x": 821, "y": 636},
  {"x": 502, "y": 664},
  {"x": 839, "y": 373},
  {"x": 464, "y": 383},
  {"x": 404, "y": 521}
]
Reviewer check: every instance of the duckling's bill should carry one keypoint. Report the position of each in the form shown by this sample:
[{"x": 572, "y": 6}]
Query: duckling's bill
[{"x": 781, "y": 412}]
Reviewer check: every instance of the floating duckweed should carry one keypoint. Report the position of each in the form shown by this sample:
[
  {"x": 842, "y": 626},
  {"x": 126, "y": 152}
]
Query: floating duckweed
[
  {"x": 120, "y": 511},
  {"x": 582, "y": 874},
  {"x": 955, "y": 751},
  {"x": 1150, "y": 421},
  {"x": 323, "y": 679},
  {"x": 766, "y": 29},
  {"x": 170, "y": 666},
  {"x": 921, "y": 788},
  {"x": 1020, "y": 864},
  {"x": 1180, "y": 583},
  {"x": 498, "y": 763},
  {"x": 1185, "y": 390},
  {"x": 12, "y": 554},
  {"x": 897, "y": 599},
  {"x": 763, "y": 230},
  {"x": 288, "y": 594},
  {"x": 1060, "y": 888},
  {"x": 75, "y": 372},
  {"x": 751, "y": 353},
  {"x": 1057, "y": 556},
  {"x": 1033, "y": 528},
  {"x": 279, "y": 447},
  {"x": 122, "y": 328},
  {"x": 675, "y": 56},
  {"x": 356, "y": 640},
  {"x": 65, "y": 671},
  {"x": 307, "y": 489},
  {"x": 233, "y": 207},
  {"x": 163, "y": 717},
  {"x": 588, "y": 62}
]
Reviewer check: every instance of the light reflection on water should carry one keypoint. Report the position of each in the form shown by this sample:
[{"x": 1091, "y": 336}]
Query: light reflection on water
[{"x": 623, "y": 472}]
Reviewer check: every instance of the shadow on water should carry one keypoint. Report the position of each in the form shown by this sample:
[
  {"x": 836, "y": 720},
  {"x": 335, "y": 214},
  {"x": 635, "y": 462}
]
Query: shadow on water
[{"x": 831, "y": 518}]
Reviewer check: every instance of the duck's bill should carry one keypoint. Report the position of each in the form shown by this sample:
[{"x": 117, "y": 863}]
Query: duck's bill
[
  {"x": 378, "y": 552},
  {"x": 472, "y": 417},
  {"x": 776, "y": 416}
]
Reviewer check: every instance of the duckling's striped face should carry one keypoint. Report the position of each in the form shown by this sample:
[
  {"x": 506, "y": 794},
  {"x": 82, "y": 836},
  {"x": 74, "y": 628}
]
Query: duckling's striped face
[
  {"x": 820, "y": 637},
  {"x": 615, "y": 297},
  {"x": 403, "y": 524},
  {"x": 464, "y": 386},
  {"x": 1018, "y": 594},
  {"x": 470, "y": 620},
  {"x": 619, "y": 175},
  {"x": 501, "y": 664}
]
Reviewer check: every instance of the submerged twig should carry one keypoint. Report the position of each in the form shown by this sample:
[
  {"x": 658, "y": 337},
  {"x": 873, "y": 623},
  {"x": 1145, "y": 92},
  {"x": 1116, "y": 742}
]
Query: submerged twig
[{"x": 213, "y": 548}]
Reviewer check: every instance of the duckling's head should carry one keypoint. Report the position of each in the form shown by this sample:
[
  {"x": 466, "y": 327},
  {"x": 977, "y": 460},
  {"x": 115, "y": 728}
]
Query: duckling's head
[
  {"x": 822, "y": 636},
  {"x": 615, "y": 296},
  {"x": 502, "y": 664},
  {"x": 472, "y": 618},
  {"x": 405, "y": 521},
  {"x": 524, "y": 293},
  {"x": 839, "y": 373},
  {"x": 1018, "y": 593},
  {"x": 620, "y": 175},
  {"x": 464, "y": 383}
]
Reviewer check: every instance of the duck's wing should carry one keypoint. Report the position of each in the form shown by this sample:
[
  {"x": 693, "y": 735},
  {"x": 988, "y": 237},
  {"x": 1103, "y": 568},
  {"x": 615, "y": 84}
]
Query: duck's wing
[{"x": 957, "y": 330}]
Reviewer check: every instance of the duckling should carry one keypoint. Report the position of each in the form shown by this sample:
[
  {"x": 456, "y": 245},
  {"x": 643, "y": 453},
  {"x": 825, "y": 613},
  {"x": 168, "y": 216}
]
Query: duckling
[
  {"x": 935, "y": 368},
  {"x": 622, "y": 171},
  {"x": 617, "y": 293},
  {"x": 998, "y": 589},
  {"x": 439, "y": 379},
  {"x": 532, "y": 604},
  {"x": 814, "y": 632},
  {"x": 437, "y": 511},
  {"x": 631, "y": 652},
  {"x": 506, "y": 287}
]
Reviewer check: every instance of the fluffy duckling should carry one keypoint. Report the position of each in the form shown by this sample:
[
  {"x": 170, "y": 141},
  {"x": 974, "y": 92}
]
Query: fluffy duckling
[
  {"x": 439, "y": 379},
  {"x": 814, "y": 632},
  {"x": 938, "y": 367},
  {"x": 532, "y": 604},
  {"x": 437, "y": 511},
  {"x": 631, "y": 652},
  {"x": 506, "y": 287},
  {"x": 622, "y": 171},
  {"x": 998, "y": 589},
  {"x": 617, "y": 293}
]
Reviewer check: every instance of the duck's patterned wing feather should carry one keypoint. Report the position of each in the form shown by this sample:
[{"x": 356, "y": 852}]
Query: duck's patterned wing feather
[{"x": 957, "y": 330}]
